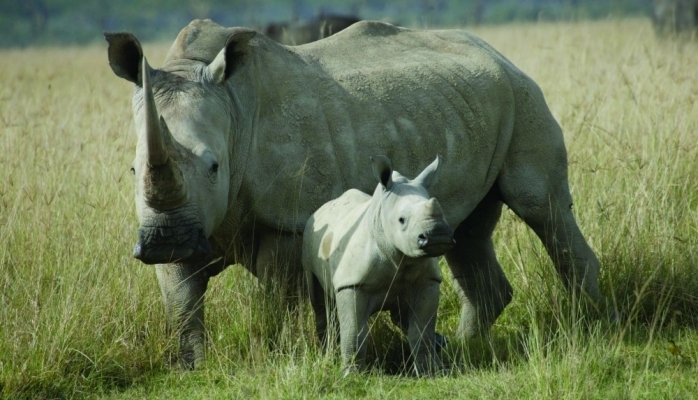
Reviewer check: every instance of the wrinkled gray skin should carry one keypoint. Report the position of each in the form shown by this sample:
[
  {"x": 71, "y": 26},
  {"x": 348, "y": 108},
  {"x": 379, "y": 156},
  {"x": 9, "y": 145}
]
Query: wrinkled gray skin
[
  {"x": 675, "y": 16},
  {"x": 372, "y": 253},
  {"x": 241, "y": 139}
]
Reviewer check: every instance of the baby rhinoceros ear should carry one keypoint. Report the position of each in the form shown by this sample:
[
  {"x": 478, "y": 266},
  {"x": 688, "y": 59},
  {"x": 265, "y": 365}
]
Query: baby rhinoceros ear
[
  {"x": 430, "y": 175},
  {"x": 383, "y": 170}
]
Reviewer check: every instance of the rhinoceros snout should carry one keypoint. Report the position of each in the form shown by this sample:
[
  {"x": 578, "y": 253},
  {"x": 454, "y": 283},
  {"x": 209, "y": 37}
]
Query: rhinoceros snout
[
  {"x": 436, "y": 243},
  {"x": 161, "y": 246}
]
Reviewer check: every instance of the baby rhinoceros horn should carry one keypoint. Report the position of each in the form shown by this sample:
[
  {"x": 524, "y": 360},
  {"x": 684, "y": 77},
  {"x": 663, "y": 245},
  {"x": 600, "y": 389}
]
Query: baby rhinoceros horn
[
  {"x": 437, "y": 239},
  {"x": 434, "y": 208}
]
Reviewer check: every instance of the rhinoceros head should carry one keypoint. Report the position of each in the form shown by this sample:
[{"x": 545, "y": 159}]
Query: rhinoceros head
[
  {"x": 409, "y": 220},
  {"x": 182, "y": 165}
]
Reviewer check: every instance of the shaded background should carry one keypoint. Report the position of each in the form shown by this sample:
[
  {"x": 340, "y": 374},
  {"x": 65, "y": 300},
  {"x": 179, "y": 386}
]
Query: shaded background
[{"x": 66, "y": 22}]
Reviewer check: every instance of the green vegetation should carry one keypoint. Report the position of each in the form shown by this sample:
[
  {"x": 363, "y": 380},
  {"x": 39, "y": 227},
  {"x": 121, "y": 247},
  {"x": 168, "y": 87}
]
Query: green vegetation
[
  {"x": 55, "y": 22},
  {"x": 81, "y": 319}
]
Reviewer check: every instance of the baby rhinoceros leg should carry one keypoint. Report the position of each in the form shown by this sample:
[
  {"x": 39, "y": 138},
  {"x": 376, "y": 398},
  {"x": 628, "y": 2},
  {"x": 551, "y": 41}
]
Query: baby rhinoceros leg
[
  {"x": 423, "y": 304},
  {"x": 319, "y": 304},
  {"x": 353, "y": 313}
]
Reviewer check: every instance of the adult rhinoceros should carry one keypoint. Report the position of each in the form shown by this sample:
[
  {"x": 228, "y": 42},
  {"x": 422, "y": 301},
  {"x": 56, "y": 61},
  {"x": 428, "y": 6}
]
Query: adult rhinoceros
[{"x": 241, "y": 139}]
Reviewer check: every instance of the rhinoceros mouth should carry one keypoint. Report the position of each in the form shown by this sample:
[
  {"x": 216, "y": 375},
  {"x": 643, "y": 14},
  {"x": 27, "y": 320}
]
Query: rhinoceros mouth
[
  {"x": 157, "y": 245},
  {"x": 435, "y": 246}
]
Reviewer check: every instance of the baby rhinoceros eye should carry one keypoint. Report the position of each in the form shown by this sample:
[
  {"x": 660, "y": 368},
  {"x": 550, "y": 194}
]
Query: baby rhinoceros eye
[
  {"x": 213, "y": 172},
  {"x": 401, "y": 220}
]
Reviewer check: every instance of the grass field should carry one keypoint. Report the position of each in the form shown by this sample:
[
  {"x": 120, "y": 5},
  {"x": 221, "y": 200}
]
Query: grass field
[{"x": 80, "y": 318}]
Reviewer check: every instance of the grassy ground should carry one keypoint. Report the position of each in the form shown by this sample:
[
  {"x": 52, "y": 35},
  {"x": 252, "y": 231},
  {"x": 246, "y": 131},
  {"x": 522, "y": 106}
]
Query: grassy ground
[{"x": 79, "y": 318}]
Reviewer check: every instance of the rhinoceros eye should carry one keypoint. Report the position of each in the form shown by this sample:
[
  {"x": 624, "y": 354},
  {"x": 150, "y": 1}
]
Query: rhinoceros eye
[
  {"x": 133, "y": 170},
  {"x": 402, "y": 220},
  {"x": 214, "y": 167}
]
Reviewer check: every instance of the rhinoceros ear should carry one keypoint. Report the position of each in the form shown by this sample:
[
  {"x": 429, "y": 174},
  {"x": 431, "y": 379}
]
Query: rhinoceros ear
[
  {"x": 383, "y": 171},
  {"x": 430, "y": 175},
  {"x": 232, "y": 57},
  {"x": 125, "y": 54}
]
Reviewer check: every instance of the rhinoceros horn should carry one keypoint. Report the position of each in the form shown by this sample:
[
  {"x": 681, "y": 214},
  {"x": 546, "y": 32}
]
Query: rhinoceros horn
[
  {"x": 164, "y": 184},
  {"x": 155, "y": 141},
  {"x": 434, "y": 208}
]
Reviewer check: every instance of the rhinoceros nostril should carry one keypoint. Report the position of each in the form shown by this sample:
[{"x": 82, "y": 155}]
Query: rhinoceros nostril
[
  {"x": 138, "y": 250},
  {"x": 202, "y": 243}
]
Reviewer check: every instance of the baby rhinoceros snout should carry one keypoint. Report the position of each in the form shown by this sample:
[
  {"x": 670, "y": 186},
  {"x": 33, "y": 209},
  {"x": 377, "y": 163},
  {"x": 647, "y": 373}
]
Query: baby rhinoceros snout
[
  {"x": 436, "y": 237},
  {"x": 436, "y": 242}
]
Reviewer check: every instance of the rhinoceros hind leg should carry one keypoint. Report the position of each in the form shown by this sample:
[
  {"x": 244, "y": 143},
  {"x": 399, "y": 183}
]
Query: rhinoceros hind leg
[
  {"x": 534, "y": 185},
  {"x": 326, "y": 324},
  {"x": 483, "y": 288}
]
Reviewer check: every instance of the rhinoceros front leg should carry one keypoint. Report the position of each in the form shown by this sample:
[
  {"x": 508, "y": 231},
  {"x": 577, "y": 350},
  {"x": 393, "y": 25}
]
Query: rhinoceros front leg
[
  {"x": 352, "y": 310},
  {"x": 183, "y": 287},
  {"x": 424, "y": 303},
  {"x": 278, "y": 259},
  {"x": 479, "y": 280},
  {"x": 399, "y": 315}
]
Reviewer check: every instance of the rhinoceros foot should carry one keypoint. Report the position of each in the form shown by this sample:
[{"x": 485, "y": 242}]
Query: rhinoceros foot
[{"x": 440, "y": 342}]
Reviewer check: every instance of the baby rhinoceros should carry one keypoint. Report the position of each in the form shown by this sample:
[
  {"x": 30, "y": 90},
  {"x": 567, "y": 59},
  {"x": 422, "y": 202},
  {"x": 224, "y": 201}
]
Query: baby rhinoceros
[{"x": 372, "y": 253}]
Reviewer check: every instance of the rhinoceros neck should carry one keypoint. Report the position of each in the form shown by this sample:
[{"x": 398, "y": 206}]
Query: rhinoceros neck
[
  {"x": 387, "y": 252},
  {"x": 273, "y": 112}
]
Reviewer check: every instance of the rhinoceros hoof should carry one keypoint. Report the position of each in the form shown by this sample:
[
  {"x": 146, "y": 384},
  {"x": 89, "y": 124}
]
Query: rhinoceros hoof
[
  {"x": 440, "y": 342},
  {"x": 350, "y": 370}
]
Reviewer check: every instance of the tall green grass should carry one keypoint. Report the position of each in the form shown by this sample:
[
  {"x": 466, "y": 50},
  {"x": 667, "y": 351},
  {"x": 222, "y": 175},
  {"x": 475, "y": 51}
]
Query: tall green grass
[{"x": 80, "y": 318}]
